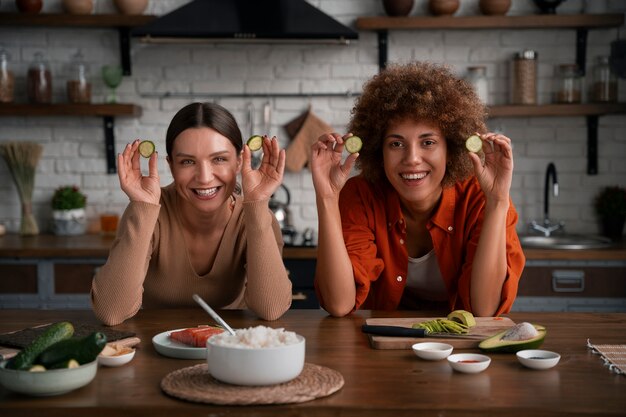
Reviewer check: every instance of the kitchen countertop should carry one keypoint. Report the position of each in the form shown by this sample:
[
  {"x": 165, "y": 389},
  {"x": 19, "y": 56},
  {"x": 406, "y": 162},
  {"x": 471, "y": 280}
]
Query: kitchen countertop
[
  {"x": 377, "y": 382},
  {"x": 97, "y": 246}
]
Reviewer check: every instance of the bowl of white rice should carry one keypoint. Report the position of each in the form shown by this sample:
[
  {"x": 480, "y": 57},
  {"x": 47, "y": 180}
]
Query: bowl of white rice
[{"x": 256, "y": 356}]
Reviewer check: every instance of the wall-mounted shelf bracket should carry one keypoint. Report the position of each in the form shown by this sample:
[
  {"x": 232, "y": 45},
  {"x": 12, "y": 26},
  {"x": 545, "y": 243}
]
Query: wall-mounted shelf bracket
[
  {"x": 383, "y": 43},
  {"x": 124, "y": 35},
  {"x": 109, "y": 143},
  {"x": 581, "y": 49},
  {"x": 592, "y": 145}
]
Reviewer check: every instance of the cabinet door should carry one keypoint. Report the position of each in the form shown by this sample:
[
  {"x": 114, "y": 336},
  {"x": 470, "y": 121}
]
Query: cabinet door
[
  {"x": 605, "y": 282},
  {"x": 301, "y": 273},
  {"x": 73, "y": 278},
  {"x": 18, "y": 279}
]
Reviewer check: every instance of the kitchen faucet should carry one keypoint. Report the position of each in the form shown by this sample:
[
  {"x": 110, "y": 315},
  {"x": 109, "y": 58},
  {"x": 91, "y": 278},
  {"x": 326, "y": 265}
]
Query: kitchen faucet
[{"x": 548, "y": 227}]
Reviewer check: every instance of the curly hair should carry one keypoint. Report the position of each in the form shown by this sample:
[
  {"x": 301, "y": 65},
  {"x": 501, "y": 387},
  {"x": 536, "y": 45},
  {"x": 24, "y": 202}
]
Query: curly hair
[{"x": 423, "y": 92}]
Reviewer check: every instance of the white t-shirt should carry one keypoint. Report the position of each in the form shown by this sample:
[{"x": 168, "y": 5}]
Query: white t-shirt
[{"x": 424, "y": 278}]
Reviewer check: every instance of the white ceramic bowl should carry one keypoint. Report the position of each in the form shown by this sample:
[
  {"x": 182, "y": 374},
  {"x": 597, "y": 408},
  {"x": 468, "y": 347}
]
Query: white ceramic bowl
[
  {"x": 116, "y": 360},
  {"x": 537, "y": 358},
  {"x": 469, "y": 363},
  {"x": 50, "y": 382},
  {"x": 255, "y": 366},
  {"x": 432, "y": 351}
]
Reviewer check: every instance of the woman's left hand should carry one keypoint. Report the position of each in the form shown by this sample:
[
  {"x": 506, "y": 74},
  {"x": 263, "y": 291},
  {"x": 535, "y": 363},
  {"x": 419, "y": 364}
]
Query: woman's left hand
[
  {"x": 260, "y": 184},
  {"x": 496, "y": 174}
]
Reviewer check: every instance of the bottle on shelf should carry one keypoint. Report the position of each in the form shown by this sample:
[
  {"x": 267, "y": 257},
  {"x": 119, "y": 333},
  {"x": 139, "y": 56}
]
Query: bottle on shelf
[
  {"x": 7, "y": 79},
  {"x": 603, "y": 82},
  {"x": 39, "y": 81},
  {"x": 567, "y": 84},
  {"x": 477, "y": 77},
  {"x": 524, "y": 78},
  {"x": 78, "y": 83}
]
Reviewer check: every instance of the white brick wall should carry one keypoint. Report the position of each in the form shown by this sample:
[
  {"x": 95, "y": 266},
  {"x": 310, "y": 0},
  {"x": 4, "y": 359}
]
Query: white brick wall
[{"x": 74, "y": 146}]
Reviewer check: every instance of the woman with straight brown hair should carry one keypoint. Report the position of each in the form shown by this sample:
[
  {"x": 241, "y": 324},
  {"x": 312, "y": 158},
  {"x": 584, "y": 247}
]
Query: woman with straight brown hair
[{"x": 197, "y": 235}]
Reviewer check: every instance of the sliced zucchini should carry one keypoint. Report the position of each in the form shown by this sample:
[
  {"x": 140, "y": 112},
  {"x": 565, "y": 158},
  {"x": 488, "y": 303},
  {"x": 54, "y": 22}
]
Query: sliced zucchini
[
  {"x": 353, "y": 144},
  {"x": 146, "y": 148},
  {"x": 37, "y": 368},
  {"x": 255, "y": 142},
  {"x": 474, "y": 143}
]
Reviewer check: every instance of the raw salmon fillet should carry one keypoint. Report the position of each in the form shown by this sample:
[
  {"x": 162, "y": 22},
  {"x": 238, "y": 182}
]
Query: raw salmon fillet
[{"x": 195, "y": 336}]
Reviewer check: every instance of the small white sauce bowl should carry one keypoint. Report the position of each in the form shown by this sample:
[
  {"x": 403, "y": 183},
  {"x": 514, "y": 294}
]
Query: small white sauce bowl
[
  {"x": 538, "y": 359},
  {"x": 469, "y": 363},
  {"x": 432, "y": 351},
  {"x": 117, "y": 360}
]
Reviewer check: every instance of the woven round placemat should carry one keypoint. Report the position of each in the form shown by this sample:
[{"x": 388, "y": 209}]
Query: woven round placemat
[{"x": 196, "y": 384}]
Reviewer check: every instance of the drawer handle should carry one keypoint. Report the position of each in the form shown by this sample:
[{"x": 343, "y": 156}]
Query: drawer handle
[
  {"x": 299, "y": 296},
  {"x": 568, "y": 281}
]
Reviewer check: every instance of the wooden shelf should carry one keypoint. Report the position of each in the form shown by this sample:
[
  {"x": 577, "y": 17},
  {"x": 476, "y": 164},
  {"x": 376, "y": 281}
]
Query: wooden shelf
[
  {"x": 67, "y": 109},
  {"x": 551, "y": 110},
  {"x": 490, "y": 22},
  {"x": 74, "y": 20}
]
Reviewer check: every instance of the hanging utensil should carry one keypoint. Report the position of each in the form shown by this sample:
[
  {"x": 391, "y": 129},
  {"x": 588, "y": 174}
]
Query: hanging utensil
[{"x": 213, "y": 314}]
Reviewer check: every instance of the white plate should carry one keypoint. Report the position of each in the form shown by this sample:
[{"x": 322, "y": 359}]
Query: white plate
[{"x": 167, "y": 347}]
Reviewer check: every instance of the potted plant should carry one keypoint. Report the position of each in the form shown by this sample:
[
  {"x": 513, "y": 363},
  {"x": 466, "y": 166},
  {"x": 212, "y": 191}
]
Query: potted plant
[
  {"x": 68, "y": 211},
  {"x": 610, "y": 206}
]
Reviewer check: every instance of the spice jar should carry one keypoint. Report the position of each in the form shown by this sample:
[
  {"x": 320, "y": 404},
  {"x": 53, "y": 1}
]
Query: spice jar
[
  {"x": 567, "y": 84},
  {"x": 39, "y": 81},
  {"x": 524, "y": 78},
  {"x": 7, "y": 80},
  {"x": 78, "y": 84},
  {"x": 604, "y": 82},
  {"x": 477, "y": 77}
]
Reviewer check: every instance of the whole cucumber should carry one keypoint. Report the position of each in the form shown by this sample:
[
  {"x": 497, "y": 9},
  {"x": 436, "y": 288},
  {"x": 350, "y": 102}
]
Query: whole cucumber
[
  {"x": 54, "y": 334},
  {"x": 83, "y": 350}
]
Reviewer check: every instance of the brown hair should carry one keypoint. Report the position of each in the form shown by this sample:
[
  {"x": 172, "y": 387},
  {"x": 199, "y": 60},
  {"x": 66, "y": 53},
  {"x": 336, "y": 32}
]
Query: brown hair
[
  {"x": 422, "y": 92},
  {"x": 209, "y": 115}
]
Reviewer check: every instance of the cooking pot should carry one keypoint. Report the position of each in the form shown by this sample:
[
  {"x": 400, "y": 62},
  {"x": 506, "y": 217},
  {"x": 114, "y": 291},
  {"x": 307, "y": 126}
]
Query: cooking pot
[{"x": 281, "y": 210}]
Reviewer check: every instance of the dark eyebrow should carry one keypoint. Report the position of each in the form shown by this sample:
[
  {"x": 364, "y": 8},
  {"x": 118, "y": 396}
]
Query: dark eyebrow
[
  {"x": 185, "y": 155},
  {"x": 422, "y": 136}
]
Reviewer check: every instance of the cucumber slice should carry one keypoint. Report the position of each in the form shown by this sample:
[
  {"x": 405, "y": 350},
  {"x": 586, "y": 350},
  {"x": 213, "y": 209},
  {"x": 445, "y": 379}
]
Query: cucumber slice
[
  {"x": 255, "y": 142},
  {"x": 37, "y": 368},
  {"x": 474, "y": 144},
  {"x": 353, "y": 144},
  {"x": 146, "y": 148}
]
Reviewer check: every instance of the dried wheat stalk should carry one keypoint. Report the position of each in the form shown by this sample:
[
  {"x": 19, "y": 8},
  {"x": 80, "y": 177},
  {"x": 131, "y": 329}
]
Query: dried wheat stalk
[{"x": 22, "y": 159}]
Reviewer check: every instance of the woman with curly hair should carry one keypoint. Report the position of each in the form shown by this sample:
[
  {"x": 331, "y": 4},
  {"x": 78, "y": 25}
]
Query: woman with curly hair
[{"x": 426, "y": 224}]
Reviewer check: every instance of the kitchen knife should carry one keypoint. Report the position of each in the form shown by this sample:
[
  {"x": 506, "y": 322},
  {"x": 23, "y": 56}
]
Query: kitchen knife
[{"x": 399, "y": 331}]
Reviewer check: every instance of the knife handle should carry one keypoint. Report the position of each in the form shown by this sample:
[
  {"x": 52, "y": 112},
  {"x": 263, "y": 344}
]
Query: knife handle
[{"x": 395, "y": 331}]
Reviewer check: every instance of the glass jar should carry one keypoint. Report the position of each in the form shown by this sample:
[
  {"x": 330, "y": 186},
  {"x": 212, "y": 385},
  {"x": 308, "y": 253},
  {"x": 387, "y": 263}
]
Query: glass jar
[
  {"x": 524, "y": 78},
  {"x": 78, "y": 83},
  {"x": 7, "y": 80},
  {"x": 477, "y": 77},
  {"x": 567, "y": 84},
  {"x": 604, "y": 82},
  {"x": 39, "y": 81}
]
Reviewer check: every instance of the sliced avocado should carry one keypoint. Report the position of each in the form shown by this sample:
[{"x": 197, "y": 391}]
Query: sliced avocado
[
  {"x": 463, "y": 316},
  {"x": 499, "y": 343}
]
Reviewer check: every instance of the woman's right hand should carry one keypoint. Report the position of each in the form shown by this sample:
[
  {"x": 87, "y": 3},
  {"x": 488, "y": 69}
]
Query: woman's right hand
[
  {"x": 329, "y": 174},
  {"x": 136, "y": 186}
]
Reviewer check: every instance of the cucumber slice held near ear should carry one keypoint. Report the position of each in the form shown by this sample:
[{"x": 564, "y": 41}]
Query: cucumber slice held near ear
[
  {"x": 255, "y": 142},
  {"x": 146, "y": 148},
  {"x": 353, "y": 144},
  {"x": 474, "y": 143}
]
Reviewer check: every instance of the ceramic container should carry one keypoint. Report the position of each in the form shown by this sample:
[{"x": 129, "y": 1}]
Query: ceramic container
[
  {"x": 494, "y": 7},
  {"x": 398, "y": 7},
  {"x": 469, "y": 363},
  {"x": 443, "y": 7},
  {"x": 49, "y": 382},
  {"x": 78, "y": 6},
  {"x": 432, "y": 351},
  {"x": 255, "y": 366},
  {"x": 131, "y": 6},
  {"x": 538, "y": 359}
]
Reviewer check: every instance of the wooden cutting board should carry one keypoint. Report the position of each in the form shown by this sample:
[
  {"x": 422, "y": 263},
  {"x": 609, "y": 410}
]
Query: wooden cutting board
[{"x": 485, "y": 326}]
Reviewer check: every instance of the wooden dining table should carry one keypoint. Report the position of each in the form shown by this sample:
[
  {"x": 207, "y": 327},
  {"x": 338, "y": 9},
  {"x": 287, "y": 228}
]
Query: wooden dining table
[{"x": 378, "y": 382}]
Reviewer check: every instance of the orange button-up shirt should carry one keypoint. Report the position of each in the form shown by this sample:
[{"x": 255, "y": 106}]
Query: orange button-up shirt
[{"x": 374, "y": 231}]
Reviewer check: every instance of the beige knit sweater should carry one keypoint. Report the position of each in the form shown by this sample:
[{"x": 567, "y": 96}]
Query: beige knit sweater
[{"x": 149, "y": 267}]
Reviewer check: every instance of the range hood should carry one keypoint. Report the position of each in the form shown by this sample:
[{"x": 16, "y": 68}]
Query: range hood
[{"x": 264, "y": 21}]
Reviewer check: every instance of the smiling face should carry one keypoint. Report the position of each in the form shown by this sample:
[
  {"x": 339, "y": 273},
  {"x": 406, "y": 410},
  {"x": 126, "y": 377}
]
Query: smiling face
[
  {"x": 204, "y": 165},
  {"x": 414, "y": 155}
]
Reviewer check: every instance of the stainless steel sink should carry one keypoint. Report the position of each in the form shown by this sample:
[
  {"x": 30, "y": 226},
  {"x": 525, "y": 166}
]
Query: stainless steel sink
[{"x": 565, "y": 242}]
